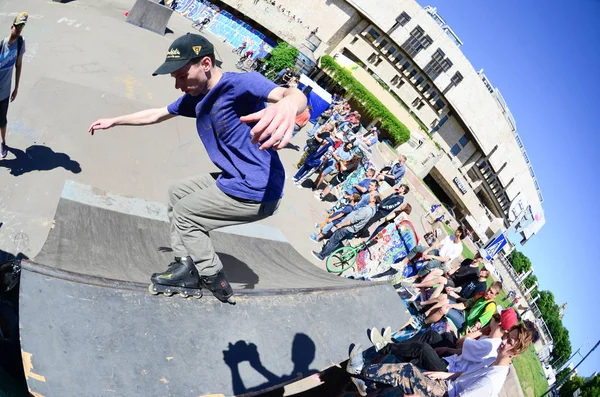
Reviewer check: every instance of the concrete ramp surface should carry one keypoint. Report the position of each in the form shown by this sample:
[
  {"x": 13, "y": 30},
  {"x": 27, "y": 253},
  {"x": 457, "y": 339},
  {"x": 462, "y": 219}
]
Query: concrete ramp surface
[{"x": 89, "y": 328}]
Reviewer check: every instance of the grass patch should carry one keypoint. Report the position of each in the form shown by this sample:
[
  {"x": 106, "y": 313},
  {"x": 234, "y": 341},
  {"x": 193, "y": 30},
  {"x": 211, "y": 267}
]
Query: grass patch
[{"x": 530, "y": 373}]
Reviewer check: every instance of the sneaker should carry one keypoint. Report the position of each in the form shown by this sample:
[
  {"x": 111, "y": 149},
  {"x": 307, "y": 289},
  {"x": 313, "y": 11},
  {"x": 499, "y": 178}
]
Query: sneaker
[
  {"x": 4, "y": 150},
  {"x": 377, "y": 339},
  {"x": 317, "y": 255},
  {"x": 361, "y": 386},
  {"x": 356, "y": 361},
  {"x": 314, "y": 237},
  {"x": 387, "y": 335}
]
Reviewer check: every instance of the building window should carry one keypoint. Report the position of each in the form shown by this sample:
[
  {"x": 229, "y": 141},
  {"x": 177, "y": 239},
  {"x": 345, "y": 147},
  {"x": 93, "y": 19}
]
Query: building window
[
  {"x": 526, "y": 157},
  {"x": 433, "y": 95},
  {"x": 531, "y": 171},
  {"x": 457, "y": 78},
  {"x": 383, "y": 43},
  {"x": 416, "y": 101},
  {"x": 372, "y": 58},
  {"x": 354, "y": 40},
  {"x": 540, "y": 196},
  {"x": 405, "y": 65},
  {"x": 420, "y": 80},
  {"x": 378, "y": 61},
  {"x": 372, "y": 35},
  {"x": 437, "y": 65},
  {"x": 391, "y": 50},
  {"x": 403, "y": 19},
  {"x": 399, "y": 58},
  {"x": 518, "y": 139},
  {"x": 455, "y": 150},
  {"x": 439, "y": 105},
  {"x": 426, "y": 87},
  {"x": 416, "y": 42},
  {"x": 412, "y": 73},
  {"x": 395, "y": 79},
  {"x": 463, "y": 141}
]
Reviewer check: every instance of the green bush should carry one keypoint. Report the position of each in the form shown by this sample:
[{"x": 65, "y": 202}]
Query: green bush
[
  {"x": 375, "y": 109},
  {"x": 283, "y": 56}
]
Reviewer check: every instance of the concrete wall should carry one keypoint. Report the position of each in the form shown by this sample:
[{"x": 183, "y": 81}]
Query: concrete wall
[{"x": 312, "y": 13}]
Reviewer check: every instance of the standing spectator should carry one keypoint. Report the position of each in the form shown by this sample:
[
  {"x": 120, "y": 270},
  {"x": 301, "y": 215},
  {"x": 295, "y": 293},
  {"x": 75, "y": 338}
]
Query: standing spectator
[
  {"x": 11, "y": 55},
  {"x": 280, "y": 75},
  {"x": 302, "y": 120}
]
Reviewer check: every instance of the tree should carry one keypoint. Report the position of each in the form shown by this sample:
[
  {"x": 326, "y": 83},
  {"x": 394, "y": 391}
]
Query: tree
[
  {"x": 590, "y": 388},
  {"x": 283, "y": 56},
  {"x": 529, "y": 281},
  {"x": 519, "y": 261}
]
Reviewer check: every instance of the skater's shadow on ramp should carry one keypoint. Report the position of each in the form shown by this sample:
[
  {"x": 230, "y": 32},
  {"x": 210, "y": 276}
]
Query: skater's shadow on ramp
[
  {"x": 38, "y": 158},
  {"x": 303, "y": 354}
]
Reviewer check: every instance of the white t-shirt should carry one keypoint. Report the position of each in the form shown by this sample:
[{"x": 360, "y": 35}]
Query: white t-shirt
[
  {"x": 485, "y": 382},
  {"x": 450, "y": 248},
  {"x": 475, "y": 354}
]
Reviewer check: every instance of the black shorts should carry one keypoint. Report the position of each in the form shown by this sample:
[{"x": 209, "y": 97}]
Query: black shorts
[
  {"x": 4, "y": 111},
  {"x": 389, "y": 181}
]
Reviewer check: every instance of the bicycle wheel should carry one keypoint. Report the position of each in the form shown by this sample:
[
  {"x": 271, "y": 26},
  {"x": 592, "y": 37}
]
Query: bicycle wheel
[{"x": 341, "y": 259}]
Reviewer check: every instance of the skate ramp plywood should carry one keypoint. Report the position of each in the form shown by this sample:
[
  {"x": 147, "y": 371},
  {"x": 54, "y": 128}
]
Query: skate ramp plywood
[{"x": 89, "y": 328}]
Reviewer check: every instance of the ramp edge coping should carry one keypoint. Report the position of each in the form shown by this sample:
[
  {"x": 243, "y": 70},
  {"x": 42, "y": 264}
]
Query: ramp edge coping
[{"x": 98, "y": 281}]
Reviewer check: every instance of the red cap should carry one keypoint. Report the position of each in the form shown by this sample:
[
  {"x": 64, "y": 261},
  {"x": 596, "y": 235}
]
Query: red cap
[{"x": 508, "y": 319}]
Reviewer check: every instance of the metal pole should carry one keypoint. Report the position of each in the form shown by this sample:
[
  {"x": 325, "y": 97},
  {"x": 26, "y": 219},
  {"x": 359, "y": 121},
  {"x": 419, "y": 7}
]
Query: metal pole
[{"x": 560, "y": 382}]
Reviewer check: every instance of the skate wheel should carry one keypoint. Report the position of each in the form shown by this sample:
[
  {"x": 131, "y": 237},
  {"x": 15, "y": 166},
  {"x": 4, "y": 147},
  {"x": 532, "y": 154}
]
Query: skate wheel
[
  {"x": 197, "y": 296},
  {"x": 184, "y": 295},
  {"x": 152, "y": 290},
  {"x": 231, "y": 300},
  {"x": 168, "y": 293}
]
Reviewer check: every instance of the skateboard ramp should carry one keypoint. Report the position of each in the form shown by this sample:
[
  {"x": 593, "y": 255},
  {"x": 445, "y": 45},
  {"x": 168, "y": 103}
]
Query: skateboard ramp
[{"x": 89, "y": 328}]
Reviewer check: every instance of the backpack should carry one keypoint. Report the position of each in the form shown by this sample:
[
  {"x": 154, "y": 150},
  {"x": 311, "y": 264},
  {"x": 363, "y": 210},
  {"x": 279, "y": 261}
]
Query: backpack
[{"x": 19, "y": 45}]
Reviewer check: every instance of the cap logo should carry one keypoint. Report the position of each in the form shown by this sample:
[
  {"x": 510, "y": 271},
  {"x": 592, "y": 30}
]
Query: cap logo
[
  {"x": 173, "y": 53},
  {"x": 197, "y": 49}
]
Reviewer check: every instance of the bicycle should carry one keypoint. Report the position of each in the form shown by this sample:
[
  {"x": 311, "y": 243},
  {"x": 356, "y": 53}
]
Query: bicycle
[{"x": 344, "y": 257}]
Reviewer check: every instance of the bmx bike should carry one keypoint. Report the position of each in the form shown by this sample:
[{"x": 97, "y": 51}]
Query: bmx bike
[{"x": 344, "y": 257}]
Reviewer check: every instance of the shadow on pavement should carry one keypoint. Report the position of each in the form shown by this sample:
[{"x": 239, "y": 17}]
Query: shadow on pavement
[
  {"x": 38, "y": 158},
  {"x": 303, "y": 354}
]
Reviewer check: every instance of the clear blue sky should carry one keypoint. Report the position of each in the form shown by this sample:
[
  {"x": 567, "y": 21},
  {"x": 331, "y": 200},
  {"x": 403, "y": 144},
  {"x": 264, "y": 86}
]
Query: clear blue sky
[{"x": 545, "y": 59}]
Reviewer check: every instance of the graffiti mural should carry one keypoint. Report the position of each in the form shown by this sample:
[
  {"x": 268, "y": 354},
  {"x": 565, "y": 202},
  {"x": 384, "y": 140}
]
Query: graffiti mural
[{"x": 225, "y": 25}]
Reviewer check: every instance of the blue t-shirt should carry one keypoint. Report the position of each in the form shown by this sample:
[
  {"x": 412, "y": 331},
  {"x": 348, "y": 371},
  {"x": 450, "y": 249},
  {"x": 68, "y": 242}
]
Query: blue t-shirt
[
  {"x": 364, "y": 183},
  {"x": 8, "y": 58},
  {"x": 346, "y": 210},
  {"x": 247, "y": 173},
  {"x": 398, "y": 171}
]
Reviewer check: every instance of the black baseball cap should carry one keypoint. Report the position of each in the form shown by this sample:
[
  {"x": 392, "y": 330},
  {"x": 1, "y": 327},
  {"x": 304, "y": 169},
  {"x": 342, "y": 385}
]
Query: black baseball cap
[{"x": 183, "y": 50}]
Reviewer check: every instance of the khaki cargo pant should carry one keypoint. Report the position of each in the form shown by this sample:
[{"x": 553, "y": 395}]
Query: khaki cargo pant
[{"x": 197, "y": 206}]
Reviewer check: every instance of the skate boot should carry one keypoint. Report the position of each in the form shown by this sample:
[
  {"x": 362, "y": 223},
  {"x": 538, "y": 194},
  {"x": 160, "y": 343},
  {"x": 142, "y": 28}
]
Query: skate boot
[
  {"x": 219, "y": 286},
  {"x": 181, "y": 277}
]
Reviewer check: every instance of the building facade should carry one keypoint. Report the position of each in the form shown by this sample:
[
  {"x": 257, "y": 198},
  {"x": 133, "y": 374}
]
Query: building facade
[{"x": 475, "y": 161}]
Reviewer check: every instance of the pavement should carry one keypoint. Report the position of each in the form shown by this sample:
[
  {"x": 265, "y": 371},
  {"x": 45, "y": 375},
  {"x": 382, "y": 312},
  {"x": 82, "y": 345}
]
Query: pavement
[{"x": 84, "y": 62}]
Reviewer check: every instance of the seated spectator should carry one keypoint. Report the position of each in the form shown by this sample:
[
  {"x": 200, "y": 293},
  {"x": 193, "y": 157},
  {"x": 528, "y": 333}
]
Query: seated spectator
[
  {"x": 467, "y": 272},
  {"x": 372, "y": 190},
  {"x": 348, "y": 227},
  {"x": 468, "y": 354},
  {"x": 370, "y": 139},
  {"x": 439, "y": 255},
  {"x": 407, "y": 379},
  {"x": 393, "y": 176},
  {"x": 388, "y": 204},
  {"x": 333, "y": 218},
  {"x": 471, "y": 315},
  {"x": 341, "y": 157},
  {"x": 465, "y": 292},
  {"x": 361, "y": 187},
  {"x": 341, "y": 175}
]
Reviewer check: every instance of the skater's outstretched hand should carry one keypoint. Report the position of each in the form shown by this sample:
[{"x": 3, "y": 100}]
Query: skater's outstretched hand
[
  {"x": 101, "y": 124},
  {"x": 275, "y": 123}
]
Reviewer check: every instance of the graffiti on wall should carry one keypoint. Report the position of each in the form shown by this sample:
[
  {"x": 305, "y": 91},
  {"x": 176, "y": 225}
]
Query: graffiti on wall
[{"x": 225, "y": 25}]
